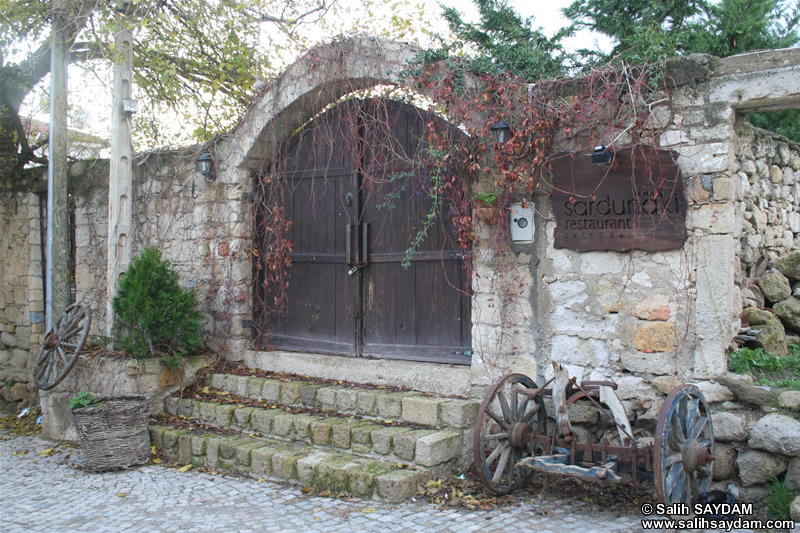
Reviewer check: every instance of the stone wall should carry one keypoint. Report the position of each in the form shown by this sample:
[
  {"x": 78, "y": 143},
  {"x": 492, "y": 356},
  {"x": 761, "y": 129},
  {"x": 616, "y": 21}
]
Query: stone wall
[
  {"x": 767, "y": 198},
  {"x": 632, "y": 317},
  {"x": 22, "y": 260},
  {"x": 109, "y": 376},
  {"x": 757, "y": 438},
  {"x": 642, "y": 318},
  {"x": 21, "y": 297},
  {"x": 89, "y": 187},
  {"x": 204, "y": 229}
]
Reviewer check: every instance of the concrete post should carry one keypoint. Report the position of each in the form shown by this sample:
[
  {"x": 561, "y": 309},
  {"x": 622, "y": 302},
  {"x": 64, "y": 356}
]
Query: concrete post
[
  {"x": 57, "y": 249},
  {"x": 119, "y": 190}
]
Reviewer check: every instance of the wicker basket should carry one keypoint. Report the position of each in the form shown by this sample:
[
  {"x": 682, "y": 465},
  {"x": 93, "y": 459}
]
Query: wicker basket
[{"x": 114, "y": 434}]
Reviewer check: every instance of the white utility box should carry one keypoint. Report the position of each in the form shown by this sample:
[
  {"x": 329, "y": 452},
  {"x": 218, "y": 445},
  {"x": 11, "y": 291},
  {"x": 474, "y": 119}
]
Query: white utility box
[{"x": 521, "y": 223}]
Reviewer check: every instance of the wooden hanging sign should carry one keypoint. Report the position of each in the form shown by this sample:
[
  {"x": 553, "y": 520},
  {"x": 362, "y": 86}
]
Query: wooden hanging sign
[{"x": 636, "y": 202}]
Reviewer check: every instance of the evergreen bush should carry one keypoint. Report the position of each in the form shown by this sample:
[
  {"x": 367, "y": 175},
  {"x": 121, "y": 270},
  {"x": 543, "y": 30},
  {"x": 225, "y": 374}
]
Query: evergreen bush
[{"x": 154, "y": 315}]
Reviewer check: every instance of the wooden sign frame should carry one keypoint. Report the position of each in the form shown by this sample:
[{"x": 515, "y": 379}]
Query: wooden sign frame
[{"x": 635, "y": 203}]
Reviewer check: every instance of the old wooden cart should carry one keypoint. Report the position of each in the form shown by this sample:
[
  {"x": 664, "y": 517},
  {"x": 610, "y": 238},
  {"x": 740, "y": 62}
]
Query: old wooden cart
[{"x": 511, "y": 438}]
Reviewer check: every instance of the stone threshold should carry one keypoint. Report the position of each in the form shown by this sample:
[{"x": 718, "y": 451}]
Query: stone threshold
[{"x": 437, "y": 378}]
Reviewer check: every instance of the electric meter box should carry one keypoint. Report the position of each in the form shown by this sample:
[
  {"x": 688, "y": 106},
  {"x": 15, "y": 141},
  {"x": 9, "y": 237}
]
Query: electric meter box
[{"x": 521, "y": 223}]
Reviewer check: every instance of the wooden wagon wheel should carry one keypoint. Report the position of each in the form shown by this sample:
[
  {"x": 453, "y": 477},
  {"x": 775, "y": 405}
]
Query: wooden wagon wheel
[
  {"x": 61, "y": 346},
  {"x": 503, "y": 428},
  {"x": 684, "y": 447}
]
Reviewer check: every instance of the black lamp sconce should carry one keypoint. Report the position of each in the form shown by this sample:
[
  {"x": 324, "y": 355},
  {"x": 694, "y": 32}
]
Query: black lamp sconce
[
  {"x": 501, "y": 132},
  {"x": 205, "y": 164},
  {"x": 601, "y": 156}
]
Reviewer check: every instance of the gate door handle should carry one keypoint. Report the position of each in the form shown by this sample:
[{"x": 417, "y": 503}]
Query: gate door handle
[
  {"x": 348, "y": 239},
  {"x": 365, "y": 242}
]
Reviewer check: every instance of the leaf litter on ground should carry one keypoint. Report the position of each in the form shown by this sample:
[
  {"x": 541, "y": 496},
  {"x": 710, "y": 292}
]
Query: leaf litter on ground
[{"x": 469, "y": 493}]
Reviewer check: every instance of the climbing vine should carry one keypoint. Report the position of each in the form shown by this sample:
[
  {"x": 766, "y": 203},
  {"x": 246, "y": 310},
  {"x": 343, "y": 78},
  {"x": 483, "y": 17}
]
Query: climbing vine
[{"x": 616, "y": 105}]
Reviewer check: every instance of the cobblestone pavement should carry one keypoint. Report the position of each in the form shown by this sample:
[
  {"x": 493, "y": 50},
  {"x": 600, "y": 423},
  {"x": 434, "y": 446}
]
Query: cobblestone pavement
[{"x": 41, "y": 493}]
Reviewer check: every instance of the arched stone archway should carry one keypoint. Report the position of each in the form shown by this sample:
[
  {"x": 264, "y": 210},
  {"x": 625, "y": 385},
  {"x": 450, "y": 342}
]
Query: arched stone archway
[{"x": 309, "y": 86}]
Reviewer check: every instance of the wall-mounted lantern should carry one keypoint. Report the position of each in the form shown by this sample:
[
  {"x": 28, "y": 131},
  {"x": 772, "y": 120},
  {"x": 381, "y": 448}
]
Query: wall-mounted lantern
[
  {"x": 205, "y": 164},
  {"x": 600, "y": 156},
  {"x": 129, "y": 106},
  {"x": 501, "y": 132}
]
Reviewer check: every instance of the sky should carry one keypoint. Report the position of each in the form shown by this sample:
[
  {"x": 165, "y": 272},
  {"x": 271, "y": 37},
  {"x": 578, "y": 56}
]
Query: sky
[{"x": 547, "y": 14}]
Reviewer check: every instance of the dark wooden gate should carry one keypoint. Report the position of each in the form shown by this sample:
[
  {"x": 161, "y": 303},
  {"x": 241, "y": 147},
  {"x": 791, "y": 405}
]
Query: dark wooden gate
[{"x": 348, "y": 293}]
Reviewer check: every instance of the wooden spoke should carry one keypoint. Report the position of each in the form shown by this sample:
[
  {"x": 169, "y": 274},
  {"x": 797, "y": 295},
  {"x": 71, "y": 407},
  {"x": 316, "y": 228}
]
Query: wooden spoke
[
  {"x": 72, "y": 322},
  {"x": 523, "y": 406},
  {"x": 684, "y": 439},
  {"x": 62, "y": 356},
  {"x": 694, "y": 489},
  {"x": 691, "y": 415},
  {"x": 527, "y": 417},
  {"x": 496, "y": 453},
  {"x": 698, "y": 427},
  {"x": 71, "y": 332},
  {"x": 675, "y": 480},
  {"x": 501, "y": 465},
  {"x": 499, "y": 419},
  {"x": 61, "y": 346},
  {"x": 676, "y": 433},
  {"x": 512, "y": 411},
  {"x": 501, "y": 399}
]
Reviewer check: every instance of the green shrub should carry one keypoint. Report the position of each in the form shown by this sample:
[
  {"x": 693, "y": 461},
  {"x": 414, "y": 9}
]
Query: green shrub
[
  {"x": 766, "y": 368},
  {"x": 83, "y": 399},
  {"x": 153, "y": 314},
  {"x": 485, "y": 198}
]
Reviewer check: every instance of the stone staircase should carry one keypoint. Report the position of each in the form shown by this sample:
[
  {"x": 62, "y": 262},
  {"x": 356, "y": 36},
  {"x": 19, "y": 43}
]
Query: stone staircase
[{"x": 371, "y": 443}]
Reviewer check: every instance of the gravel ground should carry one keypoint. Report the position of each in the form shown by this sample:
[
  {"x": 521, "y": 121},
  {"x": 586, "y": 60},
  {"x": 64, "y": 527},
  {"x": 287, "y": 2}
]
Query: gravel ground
[{"x": 51, "y": 493}]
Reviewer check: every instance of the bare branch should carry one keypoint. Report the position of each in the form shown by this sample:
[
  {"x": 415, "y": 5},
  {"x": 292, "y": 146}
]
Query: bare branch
[{"x": 263, "y": 17}]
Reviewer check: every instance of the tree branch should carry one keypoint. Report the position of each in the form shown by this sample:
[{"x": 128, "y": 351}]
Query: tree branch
[{"x": 263, "y": 17}]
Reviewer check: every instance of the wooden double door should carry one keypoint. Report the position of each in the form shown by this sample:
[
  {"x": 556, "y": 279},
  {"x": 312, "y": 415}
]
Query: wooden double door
[{"x": 354, "y": 191}]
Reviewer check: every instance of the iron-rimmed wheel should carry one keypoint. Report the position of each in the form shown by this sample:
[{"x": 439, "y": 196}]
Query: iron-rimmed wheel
[
  {"x": 506, "y": 420},
  {"x": 684, "y": 447},
  {"x": 61, "y": 346}
]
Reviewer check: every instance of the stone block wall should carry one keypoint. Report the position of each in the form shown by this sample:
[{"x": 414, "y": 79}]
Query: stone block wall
[
  {"x": 642, "y": 318},
  {"x": 503, "y": 324},
  {"x": 112, "y": 376},
  {"x": 89, "y": 187},
  {"x": 768, "y": 251},
  {"x": 633, "y": 317},
  {"x": 767, "y": 191},
  {"x": 22, "y": 319},
  {"x": 22, "y": 264},
  {"x": 636, "y": 317},
  {"x": 204, "y": 229},
  {"x": 198, "y": 226},
  {"x": 757, "y": 436}
]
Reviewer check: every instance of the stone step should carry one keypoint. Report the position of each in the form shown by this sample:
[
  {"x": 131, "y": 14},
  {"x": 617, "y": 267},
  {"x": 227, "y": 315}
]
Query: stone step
[
  {"x": 446, "y": 448},
  {"x": 297, "y": 462},
  {"x": 371, "y": 443},
  {"x": 411, "y": 407}
]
